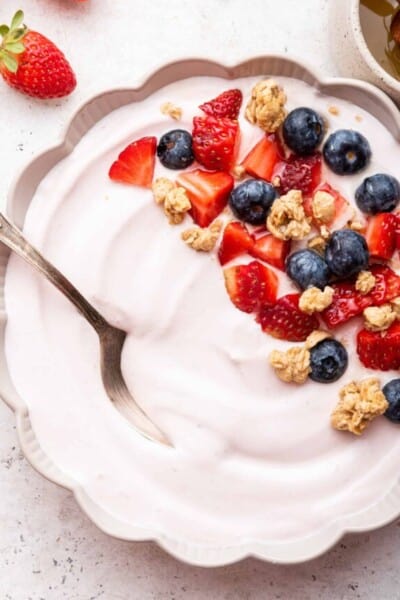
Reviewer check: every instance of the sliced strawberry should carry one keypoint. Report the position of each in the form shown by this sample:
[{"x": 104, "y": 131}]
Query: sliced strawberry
[
  {"x": 341, "y": 204},
  {"x": 135, "y": 164},
  {"x": 215, "y": 142},
  {"x": 235, "y": 241},
  {"x": 261, "y": 160},
  {"x": 250, "y": 286},
  {"x": 271, "y": 250},
  {"x": 348, "y": 302},
  {"x": 397, "y": 215},
  {"x": 226, "y": 104},
  {"x": 387, "y": 286},
  {"x": 208, "y": 193},
  {"x": 378, "y": 350},
  {"x": 284, "y": 319},
  {"x": 299, "y": 173},
  {"x": 381, "y": 235}
]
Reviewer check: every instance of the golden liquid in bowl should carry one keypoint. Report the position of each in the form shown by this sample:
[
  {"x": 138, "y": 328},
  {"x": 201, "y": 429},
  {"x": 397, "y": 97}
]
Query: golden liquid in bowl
[{"x": 376, "y": 17}]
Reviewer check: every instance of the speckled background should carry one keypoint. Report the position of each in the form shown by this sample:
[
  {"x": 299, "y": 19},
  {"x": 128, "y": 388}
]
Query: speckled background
[{"x": 48, "y": 549}]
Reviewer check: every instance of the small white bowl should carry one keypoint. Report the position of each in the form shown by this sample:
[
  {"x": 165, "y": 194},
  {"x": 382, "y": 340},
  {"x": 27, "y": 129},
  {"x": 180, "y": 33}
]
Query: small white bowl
[{"x": 349, "y": 41}]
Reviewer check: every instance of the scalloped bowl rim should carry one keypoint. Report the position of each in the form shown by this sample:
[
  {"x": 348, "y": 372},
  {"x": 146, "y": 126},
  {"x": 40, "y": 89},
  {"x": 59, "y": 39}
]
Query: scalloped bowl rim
[{"x": 307, "y": 548}]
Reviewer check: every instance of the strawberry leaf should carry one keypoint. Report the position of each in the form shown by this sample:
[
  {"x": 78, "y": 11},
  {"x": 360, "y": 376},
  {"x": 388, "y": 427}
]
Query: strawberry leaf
[
  {"x": 15, "y": 47},
  {"x": 10, "y": 62},
  {"x": 4, "y": 29},
  {"x": 16, "y": 35},
  {"x": 17, "y": 19}
]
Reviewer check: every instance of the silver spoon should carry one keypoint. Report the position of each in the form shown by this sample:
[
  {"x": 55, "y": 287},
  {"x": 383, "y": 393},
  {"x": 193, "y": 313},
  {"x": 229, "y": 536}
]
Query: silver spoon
[{"x": 111, "y": 339}]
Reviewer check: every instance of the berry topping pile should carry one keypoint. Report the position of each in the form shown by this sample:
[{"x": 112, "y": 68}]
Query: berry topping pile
[{"x": 276, "y": 216}]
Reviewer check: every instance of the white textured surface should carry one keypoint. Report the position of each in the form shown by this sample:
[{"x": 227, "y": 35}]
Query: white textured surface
[{"x": 47, "y": 548}]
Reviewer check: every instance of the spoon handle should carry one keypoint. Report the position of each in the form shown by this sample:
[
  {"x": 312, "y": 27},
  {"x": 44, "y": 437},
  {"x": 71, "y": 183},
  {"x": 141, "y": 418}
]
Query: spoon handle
[{"x": 12, "y": 237}]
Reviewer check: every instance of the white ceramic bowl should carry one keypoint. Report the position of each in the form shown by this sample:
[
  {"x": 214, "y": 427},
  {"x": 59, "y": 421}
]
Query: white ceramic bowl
[
  {"x": 386, "y": 508},
  {"x": 348, "y": 41}
]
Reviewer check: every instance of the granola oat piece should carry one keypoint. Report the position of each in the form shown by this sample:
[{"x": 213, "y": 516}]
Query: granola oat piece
[
  {"x": 292, "y": 366},
  {"x": 176, "y": 205},
  {"x": 324, "y": 232},
  {"x": 266, "y": 107},
  {"x": 316, "y": 337},
  {"x": 365, "y": 282},
  {"x": 355, "y": 226},
  {"x": 238, "y": 172},
  {"x": 334, "y": 110},
  {"x": 315, "y": 300},
  {"x": 202, "y": 239},
  {"x": 379, "y": 318},
  {"x": 323, "y": 206},
  {"x": 317, "y": 243},
  {"x": 161, "y": 187},
  {"x": 360, "y": 402},
  {"x": 171, "y": 110},
  {"x": 287, "y": 219}
]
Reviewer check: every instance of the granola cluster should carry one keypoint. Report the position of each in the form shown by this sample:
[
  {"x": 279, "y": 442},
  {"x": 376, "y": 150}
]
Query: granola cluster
[
  {"x": 323, "y": 206},
  {"x": 292, "y": 366},
  {"x": 266, "y": 107},
  {"x": 317, "y": 243},
  {"x": 360, "y": 402},
  {"x": 379, "y": 318},
  {"x": 365, "y": 282},
  {"x": 202, "y": 239},
  {"x": 174, "y": 198},
  {"x": 315, "y": 300},
  {"x": 287, "y": 219}
]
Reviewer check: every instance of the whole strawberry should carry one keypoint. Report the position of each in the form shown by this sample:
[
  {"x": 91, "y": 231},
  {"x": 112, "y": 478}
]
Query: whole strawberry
[{"x": 32, "y": 64}]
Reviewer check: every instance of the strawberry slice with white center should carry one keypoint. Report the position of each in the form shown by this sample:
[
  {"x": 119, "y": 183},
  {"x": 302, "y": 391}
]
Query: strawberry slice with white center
[
  {"x": 215, "y": 142},
  {"x": 271, "y": 250},
  {"x": 236, "y": 240},
  {"x": 285, "y": 321},
  {"x": 262, "y": 159},
  {"x": 226, "y": 104},
  {"x": 208, "y": 193},
  {"x": 381, "y": 235},
  {"x": 135, "y": 164},
  {"x": 250, "y": 286}
]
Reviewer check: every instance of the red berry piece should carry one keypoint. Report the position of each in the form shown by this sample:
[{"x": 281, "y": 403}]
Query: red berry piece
[
  {"x": 299, "y": 173},
  {"x": 250, "y": 286},
  {"x": 226, "y": 104},
  {"x": 236, "y": 240},
  {"x": 284, "y": 319},
  {"x": 135, "y": 164},
  {"x": 271, "y": 250},
  {"x": 381, "y": 235},
  {"x": 215, "y": 142},
  {"x": 347, "y": 302},
  {"x": 378, "y": 350},
  {"x": 263, "y": 158},
  {"x": 208, "y": 193}
]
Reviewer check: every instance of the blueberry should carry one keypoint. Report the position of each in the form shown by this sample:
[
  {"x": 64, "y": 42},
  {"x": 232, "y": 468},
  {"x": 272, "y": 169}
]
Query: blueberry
[
  {"x": 346, "y": 152},
  {"x": 251, "y": 200},
  {"x": 346, "y": 253},
  {"x": 392, "y": 394},
  {"x": 378, "y": 193},
  {"x": 303, "y": 130},
  {"x": 175, "y": 149},
  {"x": 328, "y": 361},
  {"x": 307, "y": 269}
]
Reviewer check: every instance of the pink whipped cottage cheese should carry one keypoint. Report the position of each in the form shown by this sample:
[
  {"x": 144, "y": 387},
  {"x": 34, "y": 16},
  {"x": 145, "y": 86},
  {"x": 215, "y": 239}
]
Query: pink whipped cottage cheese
[{"x": 254, "y": 457}]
